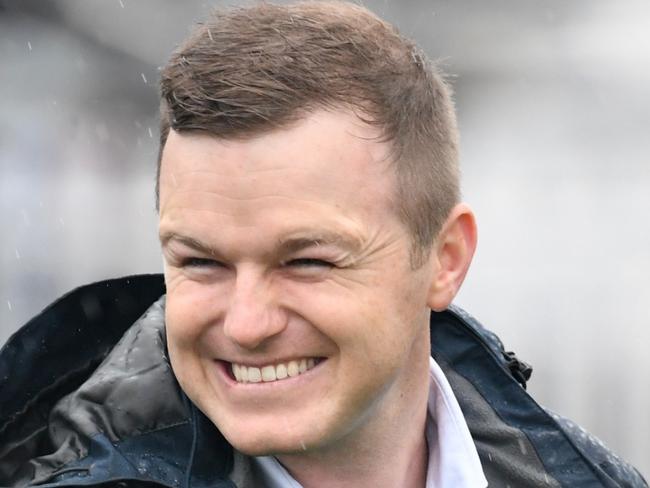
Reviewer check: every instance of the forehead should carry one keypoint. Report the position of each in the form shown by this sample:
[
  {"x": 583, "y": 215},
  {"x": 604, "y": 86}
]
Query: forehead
[
  {"x": 330, "y": 159},
  {"x": 329, "y": 137}
]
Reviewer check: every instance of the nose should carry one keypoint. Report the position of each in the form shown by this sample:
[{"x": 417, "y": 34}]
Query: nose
[{"x": 253, "y": 315}]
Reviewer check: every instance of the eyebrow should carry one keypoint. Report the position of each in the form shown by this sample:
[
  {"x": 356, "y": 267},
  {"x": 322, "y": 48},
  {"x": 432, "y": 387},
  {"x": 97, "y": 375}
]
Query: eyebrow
[
  {"x": 302, "y": 241},
  {"x": 288, "y": 245},
  {"x": 187, "y": 241}
]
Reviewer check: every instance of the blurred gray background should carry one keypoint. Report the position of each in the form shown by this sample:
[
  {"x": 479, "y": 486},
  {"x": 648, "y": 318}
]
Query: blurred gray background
[{"x": 554, "y": 107}]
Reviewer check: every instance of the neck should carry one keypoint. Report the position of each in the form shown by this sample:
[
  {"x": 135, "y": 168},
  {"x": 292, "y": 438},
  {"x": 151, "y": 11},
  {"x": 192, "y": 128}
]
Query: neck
[{"x": 389, "y": 450}]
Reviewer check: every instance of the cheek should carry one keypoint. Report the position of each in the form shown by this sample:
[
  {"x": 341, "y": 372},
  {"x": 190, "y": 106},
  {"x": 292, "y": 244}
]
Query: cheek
[
  {"x": 181, "y": 322},
  {"x": 390, "y": 322},
  {"x": 189, "y": 310},
  {"x": 357, "y": 321},
  {"x": 186, "y": 323}
]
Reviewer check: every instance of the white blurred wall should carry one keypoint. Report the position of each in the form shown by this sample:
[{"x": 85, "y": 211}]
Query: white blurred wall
[{"x": 554, "y": 106}]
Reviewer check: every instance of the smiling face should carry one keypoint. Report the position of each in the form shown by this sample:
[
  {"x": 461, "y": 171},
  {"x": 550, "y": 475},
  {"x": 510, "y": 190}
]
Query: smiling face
[{"x": 294, "y": 319}]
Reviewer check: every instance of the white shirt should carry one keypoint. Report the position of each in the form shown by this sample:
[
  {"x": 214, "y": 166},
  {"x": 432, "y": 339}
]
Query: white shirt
[{"x": 453, "y": 460}]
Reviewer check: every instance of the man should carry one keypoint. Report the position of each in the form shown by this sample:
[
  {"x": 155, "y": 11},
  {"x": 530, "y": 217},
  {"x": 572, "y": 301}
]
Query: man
[{"x": 310, "y": 223}]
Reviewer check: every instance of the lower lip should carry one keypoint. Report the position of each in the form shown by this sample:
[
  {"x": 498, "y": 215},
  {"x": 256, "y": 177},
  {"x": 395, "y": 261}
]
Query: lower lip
[{"x": 226, "y": 372}]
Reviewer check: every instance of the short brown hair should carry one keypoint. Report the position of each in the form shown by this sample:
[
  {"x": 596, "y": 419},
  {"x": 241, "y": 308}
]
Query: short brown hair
[{"x": 250, "y": 70}]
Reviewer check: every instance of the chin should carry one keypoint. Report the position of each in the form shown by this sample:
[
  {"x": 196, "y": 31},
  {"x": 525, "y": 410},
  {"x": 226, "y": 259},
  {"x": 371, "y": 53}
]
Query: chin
[
  {"x": 275, "y": 437},
  {"x": 279, "y": 444}
]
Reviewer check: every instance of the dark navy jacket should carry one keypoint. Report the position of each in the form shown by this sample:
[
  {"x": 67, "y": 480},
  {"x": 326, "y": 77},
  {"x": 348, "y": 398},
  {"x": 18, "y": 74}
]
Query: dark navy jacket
[{"x": 87, "y": 397}]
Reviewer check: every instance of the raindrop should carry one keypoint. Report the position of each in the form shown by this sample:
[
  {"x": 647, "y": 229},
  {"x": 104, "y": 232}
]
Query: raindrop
[
  {"x": 144, "y": 78},
  {"x": 29, "y": 46},
  {"x": 121, "y": 3},
  {"x": 9, "y": 305},
  {"x": 522, "y": 446},
  {"x": 102, "y": 132},
  {"x": 150, "y": 132},
  {"x": 17, "y": 254},
  {"x": 61, "y": 221},
  {"x": 303, "y": 446},
  {"x": 25, "y": 217},
  {"x": 210, "y": 35}
]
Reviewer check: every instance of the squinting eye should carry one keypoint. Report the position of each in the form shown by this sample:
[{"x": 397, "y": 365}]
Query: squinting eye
[
  {"x": 200, "y": 263},
  {"x": 305, "y": 262}
]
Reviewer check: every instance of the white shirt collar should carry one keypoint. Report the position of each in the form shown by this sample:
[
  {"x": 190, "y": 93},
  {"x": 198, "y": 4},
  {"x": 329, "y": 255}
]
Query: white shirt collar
[{"x": 453, "y": 460}]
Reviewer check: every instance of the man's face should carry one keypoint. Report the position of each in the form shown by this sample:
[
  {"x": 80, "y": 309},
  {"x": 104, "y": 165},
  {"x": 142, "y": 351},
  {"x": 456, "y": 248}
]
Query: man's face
[{"x": 294, "y": 320}]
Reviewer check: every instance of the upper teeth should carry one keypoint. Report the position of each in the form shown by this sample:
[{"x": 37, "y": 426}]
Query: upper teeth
[{"x": 271, "y": 372}]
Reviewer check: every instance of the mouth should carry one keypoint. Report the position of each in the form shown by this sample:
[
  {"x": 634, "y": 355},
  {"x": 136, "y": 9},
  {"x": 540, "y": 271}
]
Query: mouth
[{"x": 242, "y": 373}]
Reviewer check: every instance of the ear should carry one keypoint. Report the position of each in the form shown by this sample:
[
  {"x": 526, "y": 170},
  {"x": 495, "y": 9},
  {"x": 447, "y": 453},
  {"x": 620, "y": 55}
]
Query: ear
[{"x": 451, "y": 256}]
